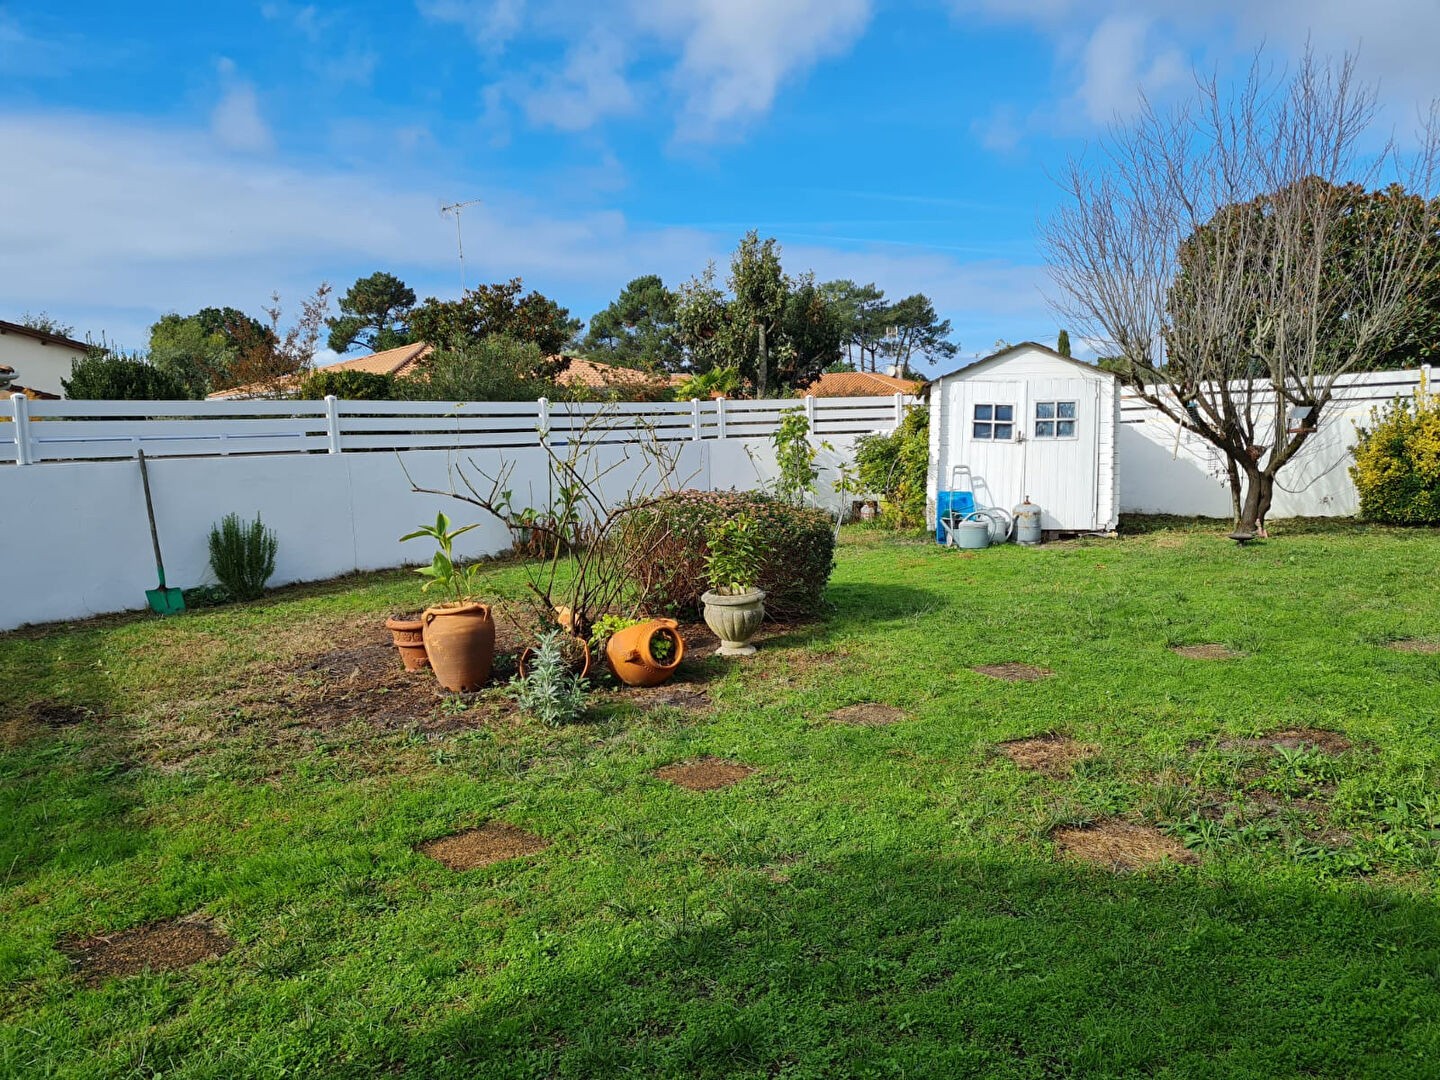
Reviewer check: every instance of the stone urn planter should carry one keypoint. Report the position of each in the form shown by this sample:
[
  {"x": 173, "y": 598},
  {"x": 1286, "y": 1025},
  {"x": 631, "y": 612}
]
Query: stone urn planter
[
  {"x": 647, "y": 653},
  {"x": 408, "y": 636},
  {"x": 460, "y": 642},
  {"x": 735, "y": 619}
]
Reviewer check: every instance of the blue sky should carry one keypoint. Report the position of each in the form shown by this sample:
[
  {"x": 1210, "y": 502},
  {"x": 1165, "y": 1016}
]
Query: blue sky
[{"x": 165, "y": 157}]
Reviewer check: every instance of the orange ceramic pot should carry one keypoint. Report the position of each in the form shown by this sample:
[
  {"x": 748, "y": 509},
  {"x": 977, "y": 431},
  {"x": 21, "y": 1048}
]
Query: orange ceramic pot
[
  {"x": 460, "y": 642},
  {"x": 580, "y": 667},
  {"x": 631, "y": 655},
  {"x": 409, "y": 637}
]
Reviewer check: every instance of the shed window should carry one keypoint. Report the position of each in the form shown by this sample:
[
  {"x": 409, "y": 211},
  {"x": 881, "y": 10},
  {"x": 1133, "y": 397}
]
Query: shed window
[
  {"x": 995, "y": 422},
  {"x": 1055, "y": 420}
]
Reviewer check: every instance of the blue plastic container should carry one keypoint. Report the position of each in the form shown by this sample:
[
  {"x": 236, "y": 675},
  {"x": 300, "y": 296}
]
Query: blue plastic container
[{"x": 946, "y": 502}]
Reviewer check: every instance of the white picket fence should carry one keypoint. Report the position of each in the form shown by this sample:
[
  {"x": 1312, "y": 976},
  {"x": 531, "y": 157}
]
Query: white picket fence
[{"x": 50, "y": 431}]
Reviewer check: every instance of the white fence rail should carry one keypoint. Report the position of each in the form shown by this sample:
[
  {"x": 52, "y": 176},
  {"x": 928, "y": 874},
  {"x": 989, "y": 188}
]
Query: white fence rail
[{"x": 52, "y": 431}]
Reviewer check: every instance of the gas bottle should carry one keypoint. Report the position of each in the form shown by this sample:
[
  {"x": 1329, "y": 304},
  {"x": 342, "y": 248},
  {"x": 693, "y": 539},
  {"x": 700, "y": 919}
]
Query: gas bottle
[{"x": 1027, "y": 523}]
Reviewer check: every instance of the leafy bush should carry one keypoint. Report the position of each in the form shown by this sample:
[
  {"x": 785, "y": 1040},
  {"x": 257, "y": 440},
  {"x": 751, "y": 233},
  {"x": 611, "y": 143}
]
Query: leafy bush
[
  {"x": 549, "y": 690},
  {"x": 795, "y": 456},
  {"x": 347, "y": 385},
  {"x": 110, "y": 376},
  {"x": 494, "y": 368},
  {"x": 1397, "y": 462},
  {"x": 894, "y": 467},
  {"x": 669, "y": 541},
  {"x": 735, "y": 555},
  {"x": 242, "y": 554}
]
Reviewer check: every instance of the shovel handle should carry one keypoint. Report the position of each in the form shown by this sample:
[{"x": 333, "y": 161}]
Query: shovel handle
[{"x": 150, "y": 515}]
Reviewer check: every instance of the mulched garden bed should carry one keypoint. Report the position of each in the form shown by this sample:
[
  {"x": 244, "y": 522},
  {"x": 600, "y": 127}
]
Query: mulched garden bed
[
  {"x": 1014, "y": 672},
  {"x": 1120, "y": 845},
  {"x": 1052, "y": 755},
  {"x": 493, "y": 842},
  {"x": 161, "y": 946},
  {"x": 1415, "y": 645},
  {"x": 705, "y": 774},
  {"x": 869, "y": 714}
]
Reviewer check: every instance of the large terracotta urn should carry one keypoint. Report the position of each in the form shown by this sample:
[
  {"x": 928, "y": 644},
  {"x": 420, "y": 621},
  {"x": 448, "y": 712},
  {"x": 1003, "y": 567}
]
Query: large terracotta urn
[
  {"x": 460, "y": 642},
  {"x": 631, "y": 652}
]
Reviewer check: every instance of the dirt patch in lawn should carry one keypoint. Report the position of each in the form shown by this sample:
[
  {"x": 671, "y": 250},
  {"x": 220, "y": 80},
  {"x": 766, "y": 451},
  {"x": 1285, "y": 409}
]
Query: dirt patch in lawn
[
  {"x": 666, "y": 696},
  {"x": 1120, "y": 845},
  {"x": 162, "y": 946},
  {"x": 1209, "y": 651},
  {"x": 869, "y": 714},
  {"x": 492, "y": 842},
  {"x": 1415, "y": 645},
  {"x": 706, "y": 774},
  {"x": 1327, "y": 742},
  {"x": 23, "y": 724},
  {"x": 1014, "y": 672},
  {"x": 1052, "y": 755}
]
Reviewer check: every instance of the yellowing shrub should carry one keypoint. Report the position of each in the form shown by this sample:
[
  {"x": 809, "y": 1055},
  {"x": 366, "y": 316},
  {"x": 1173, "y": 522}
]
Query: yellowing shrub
[{"x": 1397, "y": 462}]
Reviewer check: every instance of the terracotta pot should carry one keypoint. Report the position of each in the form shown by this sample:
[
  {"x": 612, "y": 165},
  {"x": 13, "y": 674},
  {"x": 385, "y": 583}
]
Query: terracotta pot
[
  {"x": 408, "y": 636},
  {"x": 735, "y": 620},
  {"x": 460, "y": 642},
  {"x": 630, "y": 656},
  {"x": 582, "y": 669}
]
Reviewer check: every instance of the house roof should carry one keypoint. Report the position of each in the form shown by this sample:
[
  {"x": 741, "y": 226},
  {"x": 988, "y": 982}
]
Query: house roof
[
  {"x": 861, "y": 384},
  {"x": 406, "y": 358},
  {"x": 1093, "y": 369},
  {"x": 42, "y": 337}
]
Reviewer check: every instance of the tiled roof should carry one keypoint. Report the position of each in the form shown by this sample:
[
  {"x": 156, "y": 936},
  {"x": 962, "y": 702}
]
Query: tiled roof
[
  {"x": 861, "y": 384},
  {"x": 403, "y": 361},
  {"x": 42, "y": 336}
]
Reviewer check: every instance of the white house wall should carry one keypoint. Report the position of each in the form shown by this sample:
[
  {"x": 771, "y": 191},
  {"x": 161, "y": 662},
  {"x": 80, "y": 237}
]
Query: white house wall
[{"x": 38, "y": 366}]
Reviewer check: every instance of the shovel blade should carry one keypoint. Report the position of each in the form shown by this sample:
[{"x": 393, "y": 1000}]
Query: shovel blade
[{"x": 165, "y": 601}]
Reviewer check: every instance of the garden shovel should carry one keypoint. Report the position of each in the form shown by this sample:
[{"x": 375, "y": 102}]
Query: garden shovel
[{"x": 163, "y": 601}]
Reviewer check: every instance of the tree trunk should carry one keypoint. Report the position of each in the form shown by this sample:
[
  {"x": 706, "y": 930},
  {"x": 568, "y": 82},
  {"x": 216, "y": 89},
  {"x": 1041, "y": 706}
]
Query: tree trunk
[
  {"x": 1234, "y": 471},
  {"x": 1259, "y": 490},
  {"x": 764, "y": 365}
]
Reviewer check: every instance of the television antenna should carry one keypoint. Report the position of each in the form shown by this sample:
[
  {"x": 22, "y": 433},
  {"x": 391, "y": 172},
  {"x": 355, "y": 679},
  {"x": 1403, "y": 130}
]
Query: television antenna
[{"x": 456, "y": 209}]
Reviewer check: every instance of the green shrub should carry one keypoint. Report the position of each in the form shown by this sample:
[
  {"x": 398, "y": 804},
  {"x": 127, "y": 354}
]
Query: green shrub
[
  {"x": 242, "y": 554},
  {"x": 549, "y": 690},
  {"x": 108, "y": 376},
  {"x": 669, "y": 542},
  {"x": 1397, "y": 462},
  {"x": 347, "y": 385},
  {"x": 894, "y": 466}
]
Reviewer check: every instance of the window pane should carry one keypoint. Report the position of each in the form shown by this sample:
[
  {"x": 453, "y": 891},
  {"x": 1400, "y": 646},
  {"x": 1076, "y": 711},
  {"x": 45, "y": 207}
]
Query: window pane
[
  {"x": 1065, "y": 429},
  {"x": 984, "y": 412},
  {"x": 1067, "y": 410},
  {"x": 1004, "y": 431},
  {"x": 1044, "y": 410},
  {"x": 982, "y": 431},
  {"x": 1004, "y": 412},
  {"x": 1044, "y": 429}
]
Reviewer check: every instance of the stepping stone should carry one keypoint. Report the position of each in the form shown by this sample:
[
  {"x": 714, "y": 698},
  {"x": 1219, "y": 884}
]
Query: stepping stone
[
  {"x": 1014, "y": 672},
  {"x": 1209, "y": 651},
  {"x": 706, "y": 774},
  {"x": 492, "y": 842},
  {"x": 869, "y": 714},
  {"x": 161, "y": 946},
  {"x": 1120, "y": 845}
]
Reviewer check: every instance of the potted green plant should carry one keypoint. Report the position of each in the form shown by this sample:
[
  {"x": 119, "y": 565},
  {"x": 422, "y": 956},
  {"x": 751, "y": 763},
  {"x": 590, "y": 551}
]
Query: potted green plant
[
  {"x": 459, "y": 634},
  {"x": 640, "y": 652},
  {"x": 734, "y": 607}
]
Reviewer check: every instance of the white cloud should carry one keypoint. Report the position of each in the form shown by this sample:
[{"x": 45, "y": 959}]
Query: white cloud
[
  {"x": 176, "y": 227},
  {"x": 235, "y": 122},
  {"x": 721, "y": 62},
  {"x": 1121, "y": 60}
]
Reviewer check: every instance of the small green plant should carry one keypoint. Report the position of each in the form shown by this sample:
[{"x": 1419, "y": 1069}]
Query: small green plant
[
  {"x": 606, "y": 627},
  {"x": 549, "y": 690},
  {"x": 662, "y": 646},
  {"x": 795, "y": 456},
  {"x": 735, "y": 555},
  {"x": 242, "y": 554},
  {"x": 458, "y": 583}
]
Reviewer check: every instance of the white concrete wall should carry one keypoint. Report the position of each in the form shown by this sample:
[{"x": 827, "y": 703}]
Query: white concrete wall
[
  {"x": 38, "y": 366},
  {"x": 74, "y": 539}
]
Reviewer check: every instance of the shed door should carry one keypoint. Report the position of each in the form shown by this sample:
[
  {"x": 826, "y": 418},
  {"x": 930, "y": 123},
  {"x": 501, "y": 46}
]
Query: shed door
[
  {"x": 1061, "y": 444},
  {"x": 987, "y": 425}
]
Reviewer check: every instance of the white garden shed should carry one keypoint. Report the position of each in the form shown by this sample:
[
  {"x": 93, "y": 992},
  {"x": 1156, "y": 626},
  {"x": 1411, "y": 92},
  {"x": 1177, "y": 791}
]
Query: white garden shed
[{"x": 1028, "y": 421}]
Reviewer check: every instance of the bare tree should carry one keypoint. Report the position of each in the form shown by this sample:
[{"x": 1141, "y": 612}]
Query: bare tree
[{"x": 1210, "y": 253}]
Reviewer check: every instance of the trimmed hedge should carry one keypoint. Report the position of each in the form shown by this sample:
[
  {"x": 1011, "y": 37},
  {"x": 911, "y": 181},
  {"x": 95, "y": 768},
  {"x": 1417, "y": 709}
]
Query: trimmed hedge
[
  {"x": 347, "y": 384},
  {"x": 1397, "y": 463},
  {"x": 667, "y": 539}
]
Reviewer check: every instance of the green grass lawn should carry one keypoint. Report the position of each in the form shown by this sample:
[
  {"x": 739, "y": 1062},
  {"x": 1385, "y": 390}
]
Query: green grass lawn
[{"x": 870, "y": 902}]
